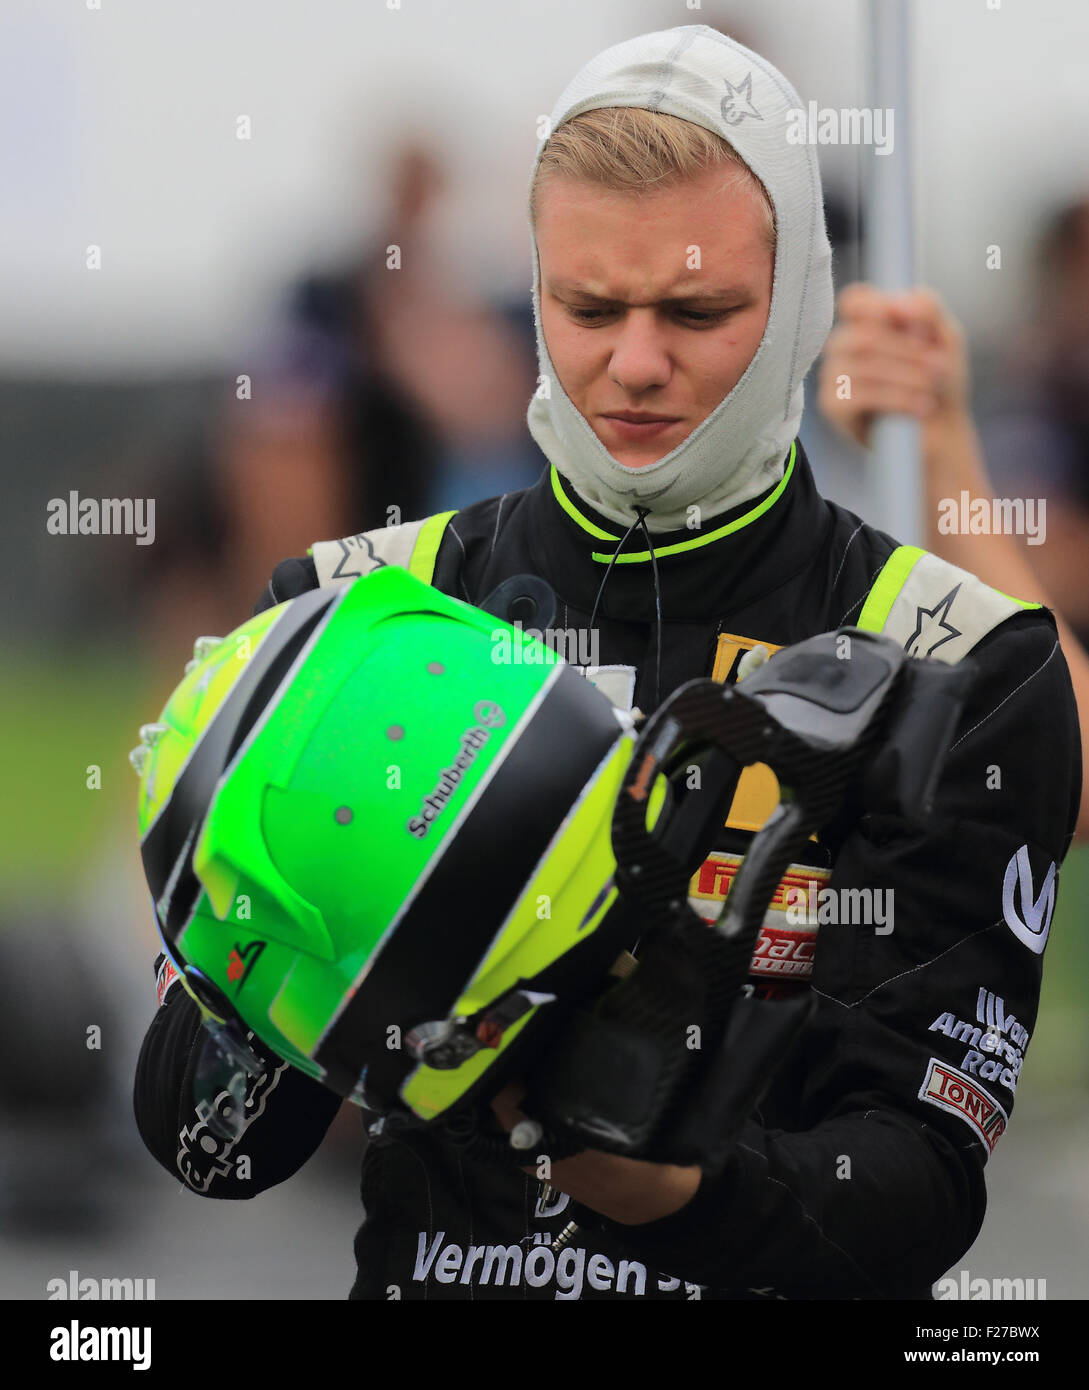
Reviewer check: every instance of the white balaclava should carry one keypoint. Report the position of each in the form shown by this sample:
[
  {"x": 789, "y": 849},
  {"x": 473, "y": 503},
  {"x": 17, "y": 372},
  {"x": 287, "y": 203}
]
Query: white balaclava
[{"x": 740, "y": 450}]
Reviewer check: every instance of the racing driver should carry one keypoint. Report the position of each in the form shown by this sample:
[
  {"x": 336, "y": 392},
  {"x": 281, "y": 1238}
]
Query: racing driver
[{"x": 682, "y": 290}]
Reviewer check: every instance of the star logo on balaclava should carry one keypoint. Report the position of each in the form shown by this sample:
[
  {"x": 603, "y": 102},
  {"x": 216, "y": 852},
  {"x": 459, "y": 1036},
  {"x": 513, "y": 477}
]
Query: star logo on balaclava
[
  {"x": 737, "y": 103},
  {"x": 929, "y": 623}
]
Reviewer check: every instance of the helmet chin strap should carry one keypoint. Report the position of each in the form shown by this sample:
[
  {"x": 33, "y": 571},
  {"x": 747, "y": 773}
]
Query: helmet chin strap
[{"x": 641, "y": 514}]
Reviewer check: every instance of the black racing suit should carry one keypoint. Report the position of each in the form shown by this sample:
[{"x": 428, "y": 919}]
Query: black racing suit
[{"x": 862, "y": 1174}]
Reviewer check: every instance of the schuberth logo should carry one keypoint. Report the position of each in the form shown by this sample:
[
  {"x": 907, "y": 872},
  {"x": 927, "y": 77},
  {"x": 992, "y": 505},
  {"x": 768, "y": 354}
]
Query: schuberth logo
[
  {"x": 1032, "y": 924},
  {"x": 950, "y": 1089},
  {"x": 489, "y": 716}
]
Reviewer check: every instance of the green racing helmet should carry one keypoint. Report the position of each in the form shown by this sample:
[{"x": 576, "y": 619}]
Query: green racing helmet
[{"x": 375, "y": 825}]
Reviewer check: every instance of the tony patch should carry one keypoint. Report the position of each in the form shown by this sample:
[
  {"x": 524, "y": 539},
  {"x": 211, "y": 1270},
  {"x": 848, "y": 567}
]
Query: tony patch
[{"x": 950, "y": 1089}]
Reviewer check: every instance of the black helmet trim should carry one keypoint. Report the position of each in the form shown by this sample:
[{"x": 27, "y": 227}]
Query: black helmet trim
[
  {"x": 434, "y": 948},
  {"x": 167, "y": 848}
]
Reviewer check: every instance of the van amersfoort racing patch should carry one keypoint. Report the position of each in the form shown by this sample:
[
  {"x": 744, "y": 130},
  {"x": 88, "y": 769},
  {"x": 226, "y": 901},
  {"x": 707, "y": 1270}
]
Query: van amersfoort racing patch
[{"x": 953, "y": 1090}]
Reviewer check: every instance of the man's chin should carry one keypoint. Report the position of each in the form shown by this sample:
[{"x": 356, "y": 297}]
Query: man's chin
[
  {"x": 633, "y": 458},
  {"x": 641, "y": 453},
  {"x": 636, "y": 463}
]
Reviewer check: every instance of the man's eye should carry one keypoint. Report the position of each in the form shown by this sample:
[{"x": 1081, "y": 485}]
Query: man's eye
[{"x": 697, "y": 316}]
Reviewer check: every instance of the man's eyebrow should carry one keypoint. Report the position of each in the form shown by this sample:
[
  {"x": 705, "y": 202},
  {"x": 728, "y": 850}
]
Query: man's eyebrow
[{"x": 574, "y": 287}]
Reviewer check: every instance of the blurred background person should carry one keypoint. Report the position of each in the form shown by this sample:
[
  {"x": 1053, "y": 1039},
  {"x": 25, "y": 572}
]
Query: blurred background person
[
  {"x": 905, "y": 354},
  {"x": 383, "y": 391},
  {"x": 1035, "y": 421},
  {"x": 390, "y": 393}
]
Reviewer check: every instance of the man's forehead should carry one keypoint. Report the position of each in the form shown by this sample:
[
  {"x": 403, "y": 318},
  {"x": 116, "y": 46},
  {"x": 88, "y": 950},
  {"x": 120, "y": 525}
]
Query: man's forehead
[
  {"x": 688, "y": 286},
  {"x": 600, "y": 244}
]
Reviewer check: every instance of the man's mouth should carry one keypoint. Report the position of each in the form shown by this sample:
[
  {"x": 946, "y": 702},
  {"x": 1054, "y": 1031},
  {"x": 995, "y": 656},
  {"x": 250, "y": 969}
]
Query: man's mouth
[{"x": 634, "y": 424}]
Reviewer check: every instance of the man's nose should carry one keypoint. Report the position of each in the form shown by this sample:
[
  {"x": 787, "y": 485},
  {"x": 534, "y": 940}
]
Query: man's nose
[{"x": 640, "y": 359}]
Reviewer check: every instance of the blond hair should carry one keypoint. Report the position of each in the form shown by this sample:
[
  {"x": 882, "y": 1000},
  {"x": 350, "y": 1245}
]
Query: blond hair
[{"x": 628, "y": 149}]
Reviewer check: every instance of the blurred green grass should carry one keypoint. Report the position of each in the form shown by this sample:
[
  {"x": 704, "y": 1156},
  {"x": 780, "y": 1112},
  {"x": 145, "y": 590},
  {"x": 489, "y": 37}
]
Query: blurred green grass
[
  {"x": 1058, "y": 1055},
  {"x": 61, "y": 713}
]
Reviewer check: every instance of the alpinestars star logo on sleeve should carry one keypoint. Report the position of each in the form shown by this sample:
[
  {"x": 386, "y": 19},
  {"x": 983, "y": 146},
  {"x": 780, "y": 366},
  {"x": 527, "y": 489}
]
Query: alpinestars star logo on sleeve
[
  {"x": 1027, "y": 914},
  {"x": 932, "y": 628}
]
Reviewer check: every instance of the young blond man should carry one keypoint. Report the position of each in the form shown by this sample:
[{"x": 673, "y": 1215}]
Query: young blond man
[{"x": 682, "y": 291}]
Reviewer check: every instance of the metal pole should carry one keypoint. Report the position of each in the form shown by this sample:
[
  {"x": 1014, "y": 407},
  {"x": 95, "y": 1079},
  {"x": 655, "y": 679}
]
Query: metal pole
[{"x": 897, "y": 497}]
